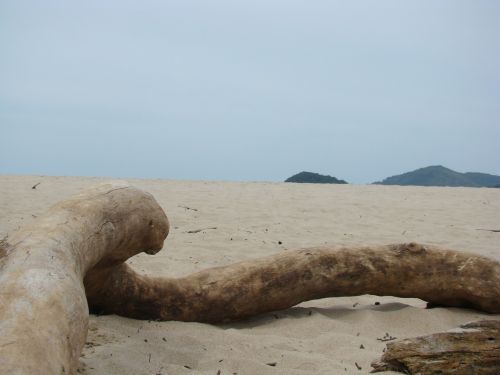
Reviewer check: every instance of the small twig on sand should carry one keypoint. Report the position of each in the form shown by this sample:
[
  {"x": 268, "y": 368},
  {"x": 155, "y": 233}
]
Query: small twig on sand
[
  {"x": 200, "y": 230},
  {"x": 34, "y": 186},
  {"x": 189, "y": 208},
  {"x": 490, "y": 230},
  {"x": 386, "y": 337}
]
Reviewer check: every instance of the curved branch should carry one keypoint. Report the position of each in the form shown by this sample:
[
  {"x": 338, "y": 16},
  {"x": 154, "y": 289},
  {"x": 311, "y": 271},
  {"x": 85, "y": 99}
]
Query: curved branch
[{"x": 442, "y": 277}]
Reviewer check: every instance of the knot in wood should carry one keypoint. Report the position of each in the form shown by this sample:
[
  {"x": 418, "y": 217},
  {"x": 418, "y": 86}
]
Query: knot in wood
[{"x": 409, "y": 248}]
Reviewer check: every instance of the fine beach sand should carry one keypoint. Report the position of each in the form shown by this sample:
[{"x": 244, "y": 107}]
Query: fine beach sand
[{"x": 240, "y": 221}]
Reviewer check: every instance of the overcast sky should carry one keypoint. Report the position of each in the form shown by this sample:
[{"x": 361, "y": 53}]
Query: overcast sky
[{"x": 248, "y": 90}]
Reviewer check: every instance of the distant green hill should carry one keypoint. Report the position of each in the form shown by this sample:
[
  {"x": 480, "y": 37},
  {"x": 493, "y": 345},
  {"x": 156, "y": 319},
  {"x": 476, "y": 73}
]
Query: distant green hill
[
  {"x": 314, "y": 178},
  {"x": 438, "y": 175}
]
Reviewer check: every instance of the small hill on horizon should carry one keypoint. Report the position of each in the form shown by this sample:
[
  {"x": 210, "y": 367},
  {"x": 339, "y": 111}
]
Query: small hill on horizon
[
  {"x": 437, "y": 175},
  {"x": 314, "y": 178}
]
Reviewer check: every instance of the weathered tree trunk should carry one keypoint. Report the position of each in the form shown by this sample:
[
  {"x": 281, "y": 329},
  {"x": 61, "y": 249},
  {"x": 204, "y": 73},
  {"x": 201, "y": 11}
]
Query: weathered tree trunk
[
  {"x": 474, "y": 348},
  {"x": 220, "y": 294},
  {"x": 43, "y": 310}
]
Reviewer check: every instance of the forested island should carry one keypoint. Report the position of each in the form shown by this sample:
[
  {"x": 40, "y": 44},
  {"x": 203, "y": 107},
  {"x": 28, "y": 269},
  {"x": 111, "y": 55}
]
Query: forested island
[{"x": 314, "y": 178}]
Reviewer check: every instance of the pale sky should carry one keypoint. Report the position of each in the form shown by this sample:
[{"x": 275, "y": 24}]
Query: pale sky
[{"x": 248, "y": 90}]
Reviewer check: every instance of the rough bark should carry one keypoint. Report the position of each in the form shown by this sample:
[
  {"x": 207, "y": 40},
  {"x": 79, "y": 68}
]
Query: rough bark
[
  {"x": 79, "y": 247},
  {"x": 474, "y": 348},
  {"x": 43, "y": 308},
  {"x": 442, "y": 277}
]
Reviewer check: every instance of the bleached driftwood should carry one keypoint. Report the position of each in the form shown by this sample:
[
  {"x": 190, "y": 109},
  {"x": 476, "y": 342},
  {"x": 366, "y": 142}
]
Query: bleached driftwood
[
  {"x": 474, "y": 348},
  {"x": 43, "y": 306},
  {"x": 43, "y": 309}
]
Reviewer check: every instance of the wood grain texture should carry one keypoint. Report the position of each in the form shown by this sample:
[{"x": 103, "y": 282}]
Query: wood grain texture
[{"x": 474, "y": 348}]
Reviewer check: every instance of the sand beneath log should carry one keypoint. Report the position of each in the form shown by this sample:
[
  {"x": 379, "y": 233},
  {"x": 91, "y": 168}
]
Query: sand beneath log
[{"x": 218, "y": 223}]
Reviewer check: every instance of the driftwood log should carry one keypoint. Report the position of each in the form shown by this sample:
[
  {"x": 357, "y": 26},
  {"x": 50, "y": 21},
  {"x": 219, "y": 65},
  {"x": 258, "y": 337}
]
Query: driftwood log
[
  {"x": 474, "y": 348},
  {"x": 43, "y": 309},
  {"x": 72, "y": 259},
  {"x": 221, "y": 294}
]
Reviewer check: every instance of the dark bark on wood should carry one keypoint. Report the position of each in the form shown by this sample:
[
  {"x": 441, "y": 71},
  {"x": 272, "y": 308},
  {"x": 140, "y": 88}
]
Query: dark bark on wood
[
  {"x": 474, "y": 348},
  {"x": 221, "y": 294}
]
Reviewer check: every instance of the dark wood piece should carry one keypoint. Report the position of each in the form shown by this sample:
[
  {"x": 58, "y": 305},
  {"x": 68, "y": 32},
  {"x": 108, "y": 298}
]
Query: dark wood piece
[{"x": 473, "y": 348}]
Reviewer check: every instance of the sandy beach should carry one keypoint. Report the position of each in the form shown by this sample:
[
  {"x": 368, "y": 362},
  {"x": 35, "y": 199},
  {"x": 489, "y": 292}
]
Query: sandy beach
[{"x": 216, "y": 223}]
